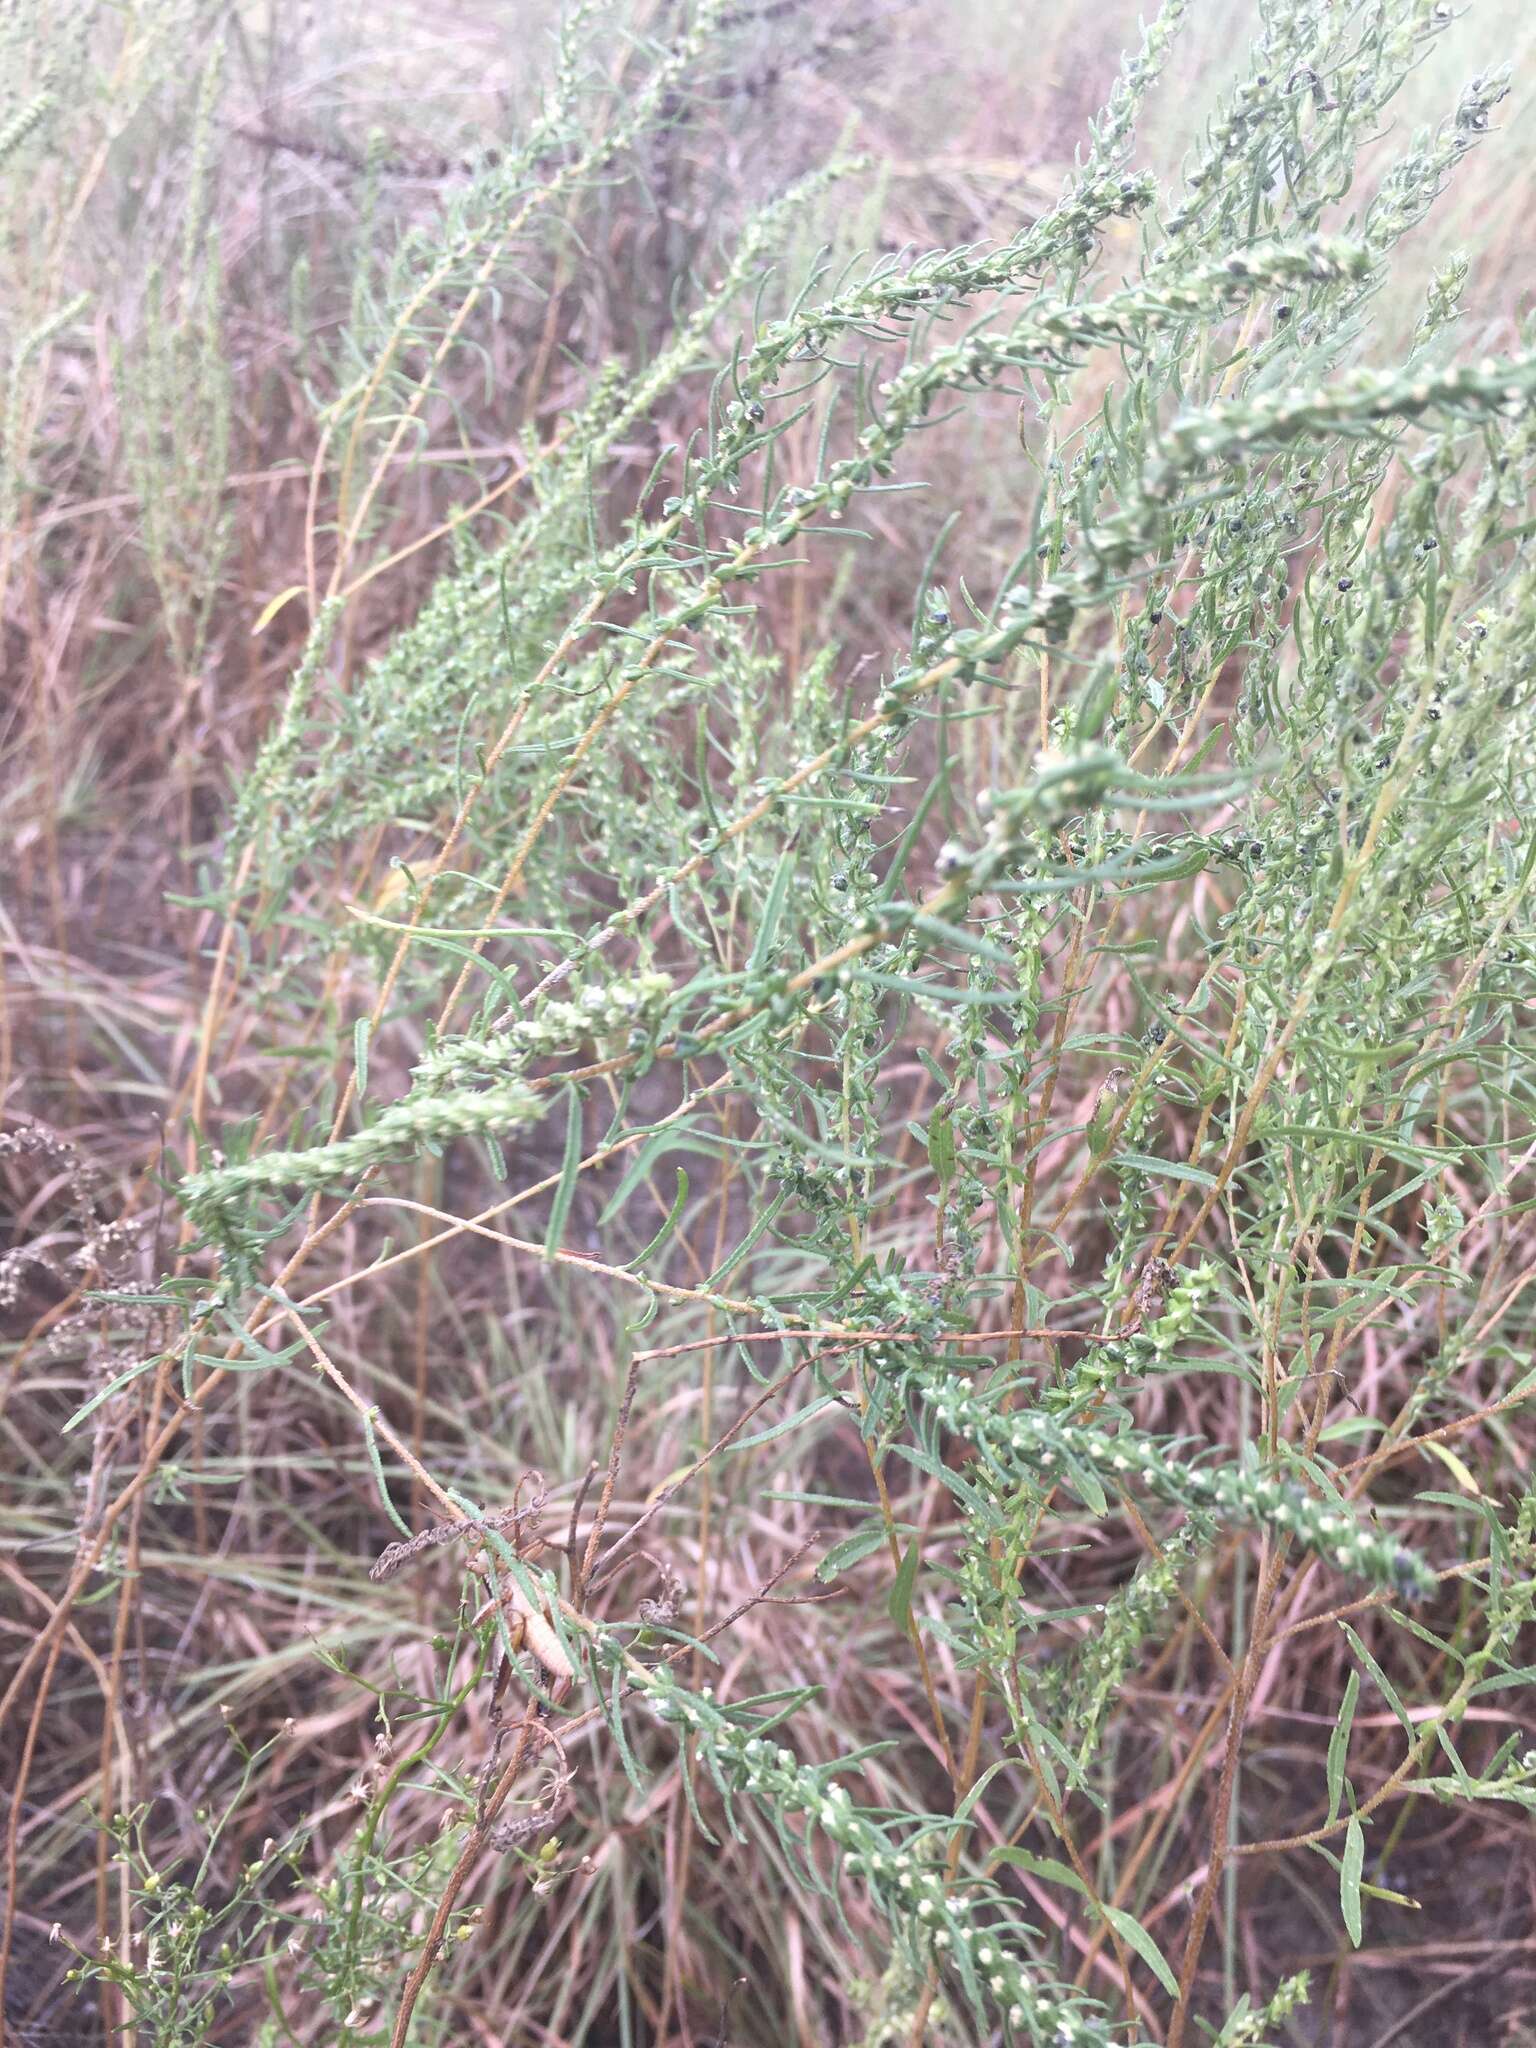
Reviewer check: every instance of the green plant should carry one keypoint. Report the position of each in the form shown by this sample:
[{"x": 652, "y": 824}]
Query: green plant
[{"x": 996, "y": 1009}]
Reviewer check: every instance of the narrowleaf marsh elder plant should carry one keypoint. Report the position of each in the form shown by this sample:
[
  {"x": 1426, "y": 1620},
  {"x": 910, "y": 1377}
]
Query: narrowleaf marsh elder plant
[{"x": 928, "y": 980}]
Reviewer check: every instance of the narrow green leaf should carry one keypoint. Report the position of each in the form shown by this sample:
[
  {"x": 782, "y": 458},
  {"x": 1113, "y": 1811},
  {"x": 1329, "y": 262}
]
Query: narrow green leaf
[
  {"x": 939, "y": 932},
  {"x": 1168, "y": 1169},
  {"x": 1388, "y": 1691},
  {"x": 1042, "y": 1866},
  {"x": 1338, "y": 1746},
  {"x": 1134, "y": 1935},
  {"x": 1096, "y": 702},
  {"x": 972, "y": 1798},
  {"x": 371, "y": 1440},
  {"x": 734, "y": 1257},
  {"x": 941, "y": 1144},
  {"x": 565, "y": 1193},
  {"x": 615, "y": 1719},
  {"x": 675, "y": 1138},
  {"x": 850, "y": 1551},
  {"x": 113, "y": 1386},
  {"x": 667, "y": 1227},
  {"x": 1349, "y": 1877},
  {"x": 775, "y": 1430},
  {"x": 773, "y": 909},
  {"x": 1129, "y": 1929},
  {"x": 934, "y": 991},
  {"x": 899, "y": 1604}
]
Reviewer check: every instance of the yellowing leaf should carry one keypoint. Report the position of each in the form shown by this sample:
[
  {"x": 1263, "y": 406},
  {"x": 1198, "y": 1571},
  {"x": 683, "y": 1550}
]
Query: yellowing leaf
[
  {"x": 1455, "y": 1467},
  {"x": 273, "y": 606}
]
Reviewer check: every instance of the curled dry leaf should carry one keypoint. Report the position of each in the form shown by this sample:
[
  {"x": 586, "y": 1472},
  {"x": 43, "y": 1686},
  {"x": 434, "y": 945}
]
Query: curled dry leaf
[{"x": 539, "y": 1634}]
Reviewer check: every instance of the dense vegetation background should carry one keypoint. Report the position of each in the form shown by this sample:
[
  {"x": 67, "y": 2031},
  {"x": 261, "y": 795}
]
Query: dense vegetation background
[{"x": 767, "y": 956}]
